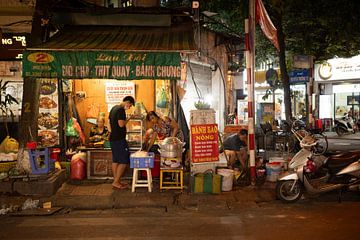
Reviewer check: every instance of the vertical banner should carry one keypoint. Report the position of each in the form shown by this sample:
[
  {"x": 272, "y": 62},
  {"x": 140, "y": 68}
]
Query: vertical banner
[
  {"x": 204, "y": 143},
  {"x": 48, "y": 118}
]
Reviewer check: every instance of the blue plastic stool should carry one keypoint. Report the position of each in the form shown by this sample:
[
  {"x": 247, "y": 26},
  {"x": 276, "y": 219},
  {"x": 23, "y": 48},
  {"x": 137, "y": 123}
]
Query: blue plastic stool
[{"x": 34, "y": 163}]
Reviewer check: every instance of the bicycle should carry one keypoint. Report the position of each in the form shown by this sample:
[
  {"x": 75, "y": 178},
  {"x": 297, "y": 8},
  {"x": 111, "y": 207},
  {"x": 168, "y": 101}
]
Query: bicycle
[{"x": 284, "y": 137}]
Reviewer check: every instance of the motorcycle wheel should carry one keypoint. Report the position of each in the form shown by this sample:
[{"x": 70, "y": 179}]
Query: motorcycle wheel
[
  {"x": 340, "y": 131},
  {"x": 284, "y": 193}
]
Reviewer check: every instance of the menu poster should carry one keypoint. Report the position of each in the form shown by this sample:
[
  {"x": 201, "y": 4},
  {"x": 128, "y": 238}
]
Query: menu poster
[
  {"x": 116, "y": 91},
  {"x": 204, "y": 143},
  {"x": 48, "y": 118}
]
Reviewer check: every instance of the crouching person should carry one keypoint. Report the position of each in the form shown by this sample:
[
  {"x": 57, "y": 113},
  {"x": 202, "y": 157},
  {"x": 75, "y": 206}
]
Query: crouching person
[{"x": 235, "y": 148}]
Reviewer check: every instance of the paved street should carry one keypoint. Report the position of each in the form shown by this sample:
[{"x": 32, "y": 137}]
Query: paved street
[
  {"x": 315, "y": 218},
  {"x": 344, "y": 143},
  {"x": 245, "y": 213}
]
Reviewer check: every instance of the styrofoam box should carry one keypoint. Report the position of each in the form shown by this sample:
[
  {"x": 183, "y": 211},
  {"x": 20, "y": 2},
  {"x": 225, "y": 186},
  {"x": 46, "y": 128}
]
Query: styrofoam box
[
  {"x": 202, "y": 116},
  {"x": 202, "y": 167}
]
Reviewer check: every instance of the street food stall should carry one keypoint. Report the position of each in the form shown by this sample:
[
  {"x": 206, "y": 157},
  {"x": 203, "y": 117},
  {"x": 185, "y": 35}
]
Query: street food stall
[{"x": 81, "y": 78}]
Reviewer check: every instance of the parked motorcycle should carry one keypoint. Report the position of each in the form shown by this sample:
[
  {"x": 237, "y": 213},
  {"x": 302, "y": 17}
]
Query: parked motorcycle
[
  {"x": 344, "y": 125},
  {"x": 318, "y": 174}
]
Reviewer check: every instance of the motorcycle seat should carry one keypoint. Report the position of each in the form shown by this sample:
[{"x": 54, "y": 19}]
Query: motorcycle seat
[{"x": 336, "y": 162}]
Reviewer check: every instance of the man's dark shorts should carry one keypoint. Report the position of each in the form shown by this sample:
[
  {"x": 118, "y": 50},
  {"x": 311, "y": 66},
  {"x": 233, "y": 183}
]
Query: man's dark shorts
[{"x": 120, "y": 152}]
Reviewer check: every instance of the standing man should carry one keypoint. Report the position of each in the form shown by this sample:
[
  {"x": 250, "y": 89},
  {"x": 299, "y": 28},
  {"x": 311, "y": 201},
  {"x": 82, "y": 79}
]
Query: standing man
[{"x": 119, "y": 146}]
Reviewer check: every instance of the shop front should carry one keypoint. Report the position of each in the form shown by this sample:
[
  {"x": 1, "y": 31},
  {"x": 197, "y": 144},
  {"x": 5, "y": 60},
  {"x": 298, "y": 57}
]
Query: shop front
[
  {"x": 270, "y": 104},
  {"x": 11, "y": 82},
  {"x": 84, "y": 71},
  {"x": 338, "y": 84}
]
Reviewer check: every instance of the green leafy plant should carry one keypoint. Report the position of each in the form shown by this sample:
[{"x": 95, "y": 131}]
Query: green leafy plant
[
  {"x": 6, "y": 100},
  {"x": 201, "y": 105}
]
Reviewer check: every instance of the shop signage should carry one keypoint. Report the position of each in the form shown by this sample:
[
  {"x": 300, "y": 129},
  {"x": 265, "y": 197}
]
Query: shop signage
[
  {"x": 106, "y": 64},
  {"x": 204, "y": 143},
  {"x": 12, "y": 46},
  {"x": 302, "y": 61},
  {"x": 338, "y": 69},
  {"x": 299, "y": 76},
  {"x": 115, "y": 91},
  {"x": 48, "y": 118}
]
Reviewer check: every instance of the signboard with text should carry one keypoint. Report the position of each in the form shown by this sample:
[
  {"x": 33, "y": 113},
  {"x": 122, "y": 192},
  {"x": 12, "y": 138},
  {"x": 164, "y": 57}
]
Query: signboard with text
[
  {"x": 338, "y": 69},
  {"x": 116, "y": 91},
  {"x": 106, "y": 64},
  {"x": 299, "y": 76},
  {"x": 12, "y": 46},
  {"x": 204, "y": 143}
]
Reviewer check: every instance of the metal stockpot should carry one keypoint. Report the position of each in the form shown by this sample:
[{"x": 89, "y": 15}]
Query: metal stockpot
[
  {"x": 171, "y": 147},
  {"x": 171, "y": 144},
  {"x": 169, "y": 154}
]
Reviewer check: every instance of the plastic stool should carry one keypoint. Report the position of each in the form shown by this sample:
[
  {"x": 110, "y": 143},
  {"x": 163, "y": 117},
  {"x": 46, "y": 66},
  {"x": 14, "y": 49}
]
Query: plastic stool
[
  {"x": 141, "y": 183},
  {"x": 177, "y": 184},
  {"x": 34, "y": 155}
]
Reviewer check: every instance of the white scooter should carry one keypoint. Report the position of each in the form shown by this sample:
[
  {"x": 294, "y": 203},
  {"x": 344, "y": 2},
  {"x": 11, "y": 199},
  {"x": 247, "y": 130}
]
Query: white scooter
[
  {"x": 318, "y": 174},
  {"x": 344, "y": 125}
]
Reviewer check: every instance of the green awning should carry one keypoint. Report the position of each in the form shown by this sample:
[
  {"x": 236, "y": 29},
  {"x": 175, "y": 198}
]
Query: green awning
[
  {"x": 123, "y": 53},
  {"x": 102, "y": 38}
]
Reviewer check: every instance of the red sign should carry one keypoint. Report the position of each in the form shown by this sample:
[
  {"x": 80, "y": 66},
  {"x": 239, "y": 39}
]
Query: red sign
[{"x": 204, "y": 143}]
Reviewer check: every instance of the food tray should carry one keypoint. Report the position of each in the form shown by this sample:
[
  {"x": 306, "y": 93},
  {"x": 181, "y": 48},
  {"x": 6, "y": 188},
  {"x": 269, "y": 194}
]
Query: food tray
[
  {"x": 142, "y": 162},
  {"x": 6, "y": 166}
]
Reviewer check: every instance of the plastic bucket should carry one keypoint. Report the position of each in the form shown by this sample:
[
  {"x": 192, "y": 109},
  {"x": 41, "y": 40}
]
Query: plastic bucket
[
  {"x": 199, "y": 183},
  {"x": 208, "y": 178},
  {"x": 216, "y": 184},
  {"x": 272, "y": 171},
  {"x": 227, "y": 179}
]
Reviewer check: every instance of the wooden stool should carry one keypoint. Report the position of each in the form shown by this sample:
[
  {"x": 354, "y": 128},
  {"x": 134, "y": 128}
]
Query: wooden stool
[
  {"x": 141, "y": 183},
  {"x": 177, "y": 184}
]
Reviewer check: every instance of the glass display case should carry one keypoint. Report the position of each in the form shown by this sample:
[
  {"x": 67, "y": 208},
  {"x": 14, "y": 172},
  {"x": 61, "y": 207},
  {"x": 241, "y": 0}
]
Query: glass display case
[{"x": 134, "y": 135}]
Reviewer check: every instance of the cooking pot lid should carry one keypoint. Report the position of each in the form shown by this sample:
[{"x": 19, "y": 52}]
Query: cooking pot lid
[{"x": 171, "y": 140}]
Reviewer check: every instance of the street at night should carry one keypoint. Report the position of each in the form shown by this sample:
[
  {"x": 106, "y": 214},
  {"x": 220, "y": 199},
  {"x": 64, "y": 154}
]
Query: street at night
[
  {"x": 180, "y": 119},
  {"x": 322, "y": 217}
]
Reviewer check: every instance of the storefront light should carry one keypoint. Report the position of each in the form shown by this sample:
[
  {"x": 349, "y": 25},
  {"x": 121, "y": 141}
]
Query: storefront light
[{"x": 208, "y": 98}]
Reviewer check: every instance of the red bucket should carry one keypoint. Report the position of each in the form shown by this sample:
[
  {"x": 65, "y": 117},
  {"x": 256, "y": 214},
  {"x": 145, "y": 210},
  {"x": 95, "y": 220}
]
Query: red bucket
[
  {"x": 155, "y": 171},
  {"x": 55, "y": 154}
]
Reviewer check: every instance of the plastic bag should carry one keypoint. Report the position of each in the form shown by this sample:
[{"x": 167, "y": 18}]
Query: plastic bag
[
  {"x": 162, "y": 101},
  {"x": 78, "y": 169},
  {"x": 77, "y": 128},
  {"x": 9, "y": 144},
  {"x": 30, "y": 204},
  {"x": 70, "y": 130}
]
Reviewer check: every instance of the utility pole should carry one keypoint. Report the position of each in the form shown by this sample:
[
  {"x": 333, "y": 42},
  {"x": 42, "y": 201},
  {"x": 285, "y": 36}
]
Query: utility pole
[{"x": 250, "y": 64}]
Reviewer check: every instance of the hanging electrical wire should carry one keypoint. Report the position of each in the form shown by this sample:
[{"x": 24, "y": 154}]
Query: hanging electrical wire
[{"x": 197, "y": 89}]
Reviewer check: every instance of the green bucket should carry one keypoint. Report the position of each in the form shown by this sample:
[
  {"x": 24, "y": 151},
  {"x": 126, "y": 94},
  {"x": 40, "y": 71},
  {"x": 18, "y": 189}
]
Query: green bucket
[{"x": 208, "y": 182}]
